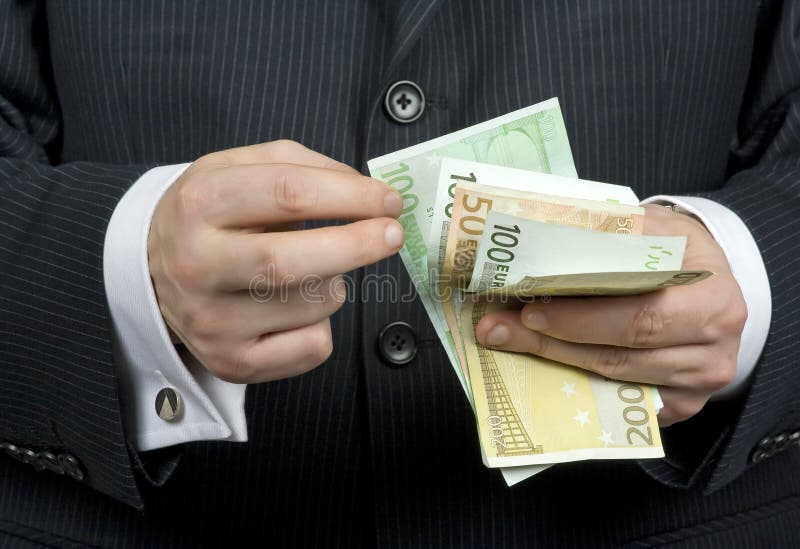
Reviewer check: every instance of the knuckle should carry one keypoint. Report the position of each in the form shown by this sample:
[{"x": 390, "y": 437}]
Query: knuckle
[
  {"x": 217, "y": 356},
  {"x": 318, "y": 349},
  {"x": 274, "y": 266},
  {"x": 231, "y": 371},
  {"x": 185, "y": 268},
  {"x": 373, "y": 192},
  {"x": 324, "y": 296},
  {"x": 538, "y": 344},
  {"x": 207, "y": 322},
  {"x": 342, "y": 167},
  {"x": 683, "y": 409},
  {"x": 320, "y": 346},
  {"x": 241, "y": 366},
  {"x": 720, "y": 375},
  {"x": 338, "y": 292},
  {"x": 736, "y": 316},
  {"x": 205, "y": 160},
  {"x": 611, "y": 362},
  {"x": 647, "y": 324},
  {"x": 312, "y": 292},
  {"x": 285, "y": 147},
  {"x": 192, "y": 197},
  {"x": 292, "y": 194},
  {"x": 729, "y": 321},
  {"x": 366, "y": 245}
]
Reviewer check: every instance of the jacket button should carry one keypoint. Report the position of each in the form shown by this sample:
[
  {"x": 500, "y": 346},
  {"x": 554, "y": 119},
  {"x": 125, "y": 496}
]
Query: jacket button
[
  {"x": 397, "y": 343},
  {"x": 404, "y": 102}
]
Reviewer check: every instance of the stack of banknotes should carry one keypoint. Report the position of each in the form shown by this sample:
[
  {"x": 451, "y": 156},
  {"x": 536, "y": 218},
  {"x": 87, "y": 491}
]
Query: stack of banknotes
[{"x": 495, "y": 215}]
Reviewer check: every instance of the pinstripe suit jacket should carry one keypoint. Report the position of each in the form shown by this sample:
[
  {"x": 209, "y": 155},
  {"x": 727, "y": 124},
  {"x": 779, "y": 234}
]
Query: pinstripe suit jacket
[{"x": 680, "y": 96}]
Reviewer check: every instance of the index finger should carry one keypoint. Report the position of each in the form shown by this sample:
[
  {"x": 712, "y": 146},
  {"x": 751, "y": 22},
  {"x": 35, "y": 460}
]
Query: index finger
[
  {"x": 265, "y": 194},
  {"x": 673, "y": 316},
  {"x": 290, "y": 258}
]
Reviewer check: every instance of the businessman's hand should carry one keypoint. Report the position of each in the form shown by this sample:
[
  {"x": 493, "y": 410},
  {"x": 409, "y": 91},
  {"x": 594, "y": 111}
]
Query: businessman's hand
[
  {"x": 247, "y": 293},
  {"x": 685, "y": 339}
]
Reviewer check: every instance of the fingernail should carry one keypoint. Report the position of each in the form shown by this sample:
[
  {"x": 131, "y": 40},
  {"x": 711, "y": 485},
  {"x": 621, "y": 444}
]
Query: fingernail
[
  {"x": 392, "y": 204},
  {"x": 499, "y": 335},
  {"x": 535, "y": 320},
  {"x": 394, "y": 235}
]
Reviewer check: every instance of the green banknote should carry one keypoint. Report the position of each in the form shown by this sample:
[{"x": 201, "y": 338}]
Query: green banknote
[{"x": 533, "y": 138}]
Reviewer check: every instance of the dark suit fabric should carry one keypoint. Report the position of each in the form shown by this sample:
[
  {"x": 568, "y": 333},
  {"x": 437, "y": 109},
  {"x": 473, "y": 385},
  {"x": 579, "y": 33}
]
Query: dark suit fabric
[{"x": 682, "y": 96}]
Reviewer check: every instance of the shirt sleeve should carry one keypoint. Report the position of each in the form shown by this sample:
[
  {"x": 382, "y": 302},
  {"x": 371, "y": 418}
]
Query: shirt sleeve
[
  {"x": 147, "y": 360},
  {"x": 747, "y": 267}
]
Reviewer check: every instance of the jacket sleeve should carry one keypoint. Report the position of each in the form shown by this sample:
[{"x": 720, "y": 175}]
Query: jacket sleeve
[
  {"x": 58, "y": 388},
  {"x": 763, "y": 189}
]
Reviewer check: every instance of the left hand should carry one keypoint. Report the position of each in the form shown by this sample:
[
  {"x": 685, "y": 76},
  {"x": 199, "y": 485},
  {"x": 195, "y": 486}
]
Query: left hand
[{"x": 685, "y": 339}]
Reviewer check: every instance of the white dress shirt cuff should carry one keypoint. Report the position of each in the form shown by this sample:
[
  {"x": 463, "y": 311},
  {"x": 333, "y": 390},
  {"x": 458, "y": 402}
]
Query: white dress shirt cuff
[
  {"x": 747, "y": 267},
  {"x": 146, "y": 359}
]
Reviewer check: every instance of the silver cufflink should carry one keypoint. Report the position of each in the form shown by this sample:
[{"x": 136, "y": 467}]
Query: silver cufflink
[{"x": 169, "y": 404}]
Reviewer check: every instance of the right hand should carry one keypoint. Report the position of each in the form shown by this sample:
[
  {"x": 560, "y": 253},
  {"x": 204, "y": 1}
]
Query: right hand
[{"x": 228, "y": 220}]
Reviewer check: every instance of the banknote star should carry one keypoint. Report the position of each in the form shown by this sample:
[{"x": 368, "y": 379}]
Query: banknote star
[
  {"x": 606, "y": 438},
  {"x": 433, "y": 159},
  {"x": 581, "y": 417},
  {"x": 569, "y": 389}
]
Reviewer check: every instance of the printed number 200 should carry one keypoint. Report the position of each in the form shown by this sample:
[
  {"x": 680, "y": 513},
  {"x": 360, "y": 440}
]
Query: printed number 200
[
  {"x": 636, "y": 416},
  {"x": 496, "y": 432}
]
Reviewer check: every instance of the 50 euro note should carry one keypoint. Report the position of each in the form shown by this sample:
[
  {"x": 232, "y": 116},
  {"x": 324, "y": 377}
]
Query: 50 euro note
[
  {"x": 474, "y": 201},
  {"x": 532, "y": 138},
  {"x": 507, "y": 180}
]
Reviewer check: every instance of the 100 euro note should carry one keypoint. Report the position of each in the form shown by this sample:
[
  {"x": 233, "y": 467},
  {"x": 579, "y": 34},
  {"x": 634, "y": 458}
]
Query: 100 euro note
[
  {"x": 507, "y": 180},
  {"x": 523, "y": 257},
  {"x": 530, "y": 138}
]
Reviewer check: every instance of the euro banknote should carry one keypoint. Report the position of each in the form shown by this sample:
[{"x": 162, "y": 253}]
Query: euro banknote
[
  {"x": 528, "y": 257},
  {"x": 497, "y": 209},
  {"x": 532, "y": 138},
  {"x": 531, "y": 410}
]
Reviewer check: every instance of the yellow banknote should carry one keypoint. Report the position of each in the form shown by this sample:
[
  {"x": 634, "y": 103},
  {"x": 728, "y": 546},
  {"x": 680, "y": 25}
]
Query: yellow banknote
[{"x": 531, "y": 410}]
